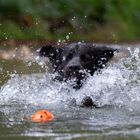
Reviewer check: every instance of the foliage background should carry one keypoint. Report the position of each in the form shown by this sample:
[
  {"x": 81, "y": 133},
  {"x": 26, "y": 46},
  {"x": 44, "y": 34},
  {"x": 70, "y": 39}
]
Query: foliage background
[{"x": 88, "y": 20}]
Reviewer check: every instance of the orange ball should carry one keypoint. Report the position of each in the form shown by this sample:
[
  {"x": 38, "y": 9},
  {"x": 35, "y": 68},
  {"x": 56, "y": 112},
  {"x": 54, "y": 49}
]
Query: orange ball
[{"x": 42, "y": 116}]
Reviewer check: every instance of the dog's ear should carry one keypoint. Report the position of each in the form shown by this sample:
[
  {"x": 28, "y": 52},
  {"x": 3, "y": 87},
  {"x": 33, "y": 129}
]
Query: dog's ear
[
  {"x": 108, "y": 52},
  {"x": 45, "y": 50},
  {"x": 49, "y": 51}
]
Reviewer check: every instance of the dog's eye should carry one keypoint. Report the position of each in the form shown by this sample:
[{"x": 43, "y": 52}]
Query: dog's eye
[
  {"x": 85, "y": 58},
  {"x": 70, "y": 55}
]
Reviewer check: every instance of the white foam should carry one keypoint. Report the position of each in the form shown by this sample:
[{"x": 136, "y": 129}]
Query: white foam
[{"x": 118, "y": 84}]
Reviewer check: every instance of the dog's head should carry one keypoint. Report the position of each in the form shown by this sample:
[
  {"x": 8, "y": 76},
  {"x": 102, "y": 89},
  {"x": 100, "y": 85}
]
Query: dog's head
[{"x": 75, "y": 60}]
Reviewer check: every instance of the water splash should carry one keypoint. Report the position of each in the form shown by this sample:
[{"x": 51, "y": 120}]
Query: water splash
[{"x": 118, "y": 84}]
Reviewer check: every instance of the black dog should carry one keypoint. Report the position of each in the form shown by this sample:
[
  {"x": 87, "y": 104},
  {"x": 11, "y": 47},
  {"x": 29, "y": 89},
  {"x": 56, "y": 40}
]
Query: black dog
[{"x": 74, "y": 61}]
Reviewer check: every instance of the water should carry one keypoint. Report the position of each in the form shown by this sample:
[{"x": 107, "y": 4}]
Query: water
[{"x": 116, "y": 91}]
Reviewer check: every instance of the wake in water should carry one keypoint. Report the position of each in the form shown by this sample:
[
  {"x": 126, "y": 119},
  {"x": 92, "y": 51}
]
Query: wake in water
[
  {"x": 118, "y": 84},
  {"x": 116, "y": 90}
]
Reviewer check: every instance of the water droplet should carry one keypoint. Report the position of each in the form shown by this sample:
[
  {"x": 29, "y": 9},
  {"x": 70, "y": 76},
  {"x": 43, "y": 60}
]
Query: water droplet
[{"x": 67, "y": 37}]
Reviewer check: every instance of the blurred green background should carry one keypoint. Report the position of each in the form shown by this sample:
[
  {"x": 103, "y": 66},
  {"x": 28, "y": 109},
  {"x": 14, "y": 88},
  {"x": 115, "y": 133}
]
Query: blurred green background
[{"x": 88, "y": 20}]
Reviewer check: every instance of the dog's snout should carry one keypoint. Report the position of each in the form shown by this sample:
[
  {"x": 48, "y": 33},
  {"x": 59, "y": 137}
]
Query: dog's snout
[{"x": 73, "y": 65}]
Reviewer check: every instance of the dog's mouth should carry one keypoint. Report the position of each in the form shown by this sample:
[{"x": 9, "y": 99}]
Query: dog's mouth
[{"x": 73, "y": 78}]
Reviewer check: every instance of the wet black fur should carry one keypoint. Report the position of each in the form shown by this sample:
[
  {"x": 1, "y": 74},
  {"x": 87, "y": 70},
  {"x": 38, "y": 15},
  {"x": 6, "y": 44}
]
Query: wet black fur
[{"x": 73, "y": 61}]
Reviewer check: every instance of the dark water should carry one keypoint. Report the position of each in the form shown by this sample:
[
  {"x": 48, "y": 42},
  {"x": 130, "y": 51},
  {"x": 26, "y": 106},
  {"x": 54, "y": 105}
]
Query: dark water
[{"x": 116, "y": 91}]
